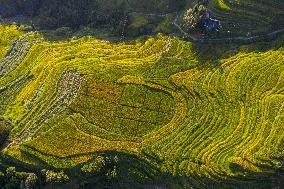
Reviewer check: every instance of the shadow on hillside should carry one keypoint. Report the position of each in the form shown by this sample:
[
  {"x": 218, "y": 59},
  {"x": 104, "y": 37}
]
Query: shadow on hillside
[
  {"x": 128, "y": 171},
  {"x": 5, "y": 128},
  {"x": 62, "y": 33},
  {"x": 212, "y": 53},
  {"x": 134, "y": 172}
]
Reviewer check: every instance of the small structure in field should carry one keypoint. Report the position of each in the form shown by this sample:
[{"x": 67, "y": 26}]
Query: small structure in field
[{"x": 212, "y": 24}]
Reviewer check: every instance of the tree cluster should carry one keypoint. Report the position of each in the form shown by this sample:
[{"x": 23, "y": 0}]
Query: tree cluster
[
  {"x": 12, "y": 179},
  {"x": 54, "y": 177},
  {"x": 74, "y": 13},
  {"x": 194, "y": 17}
]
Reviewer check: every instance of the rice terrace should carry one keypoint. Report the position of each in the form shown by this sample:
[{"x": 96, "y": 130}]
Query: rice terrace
[{"x": 142, "y": 94}]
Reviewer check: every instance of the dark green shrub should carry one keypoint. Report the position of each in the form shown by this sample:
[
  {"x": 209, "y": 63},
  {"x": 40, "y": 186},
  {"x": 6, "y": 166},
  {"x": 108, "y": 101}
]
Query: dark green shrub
[{"x": 4, "y": 131}]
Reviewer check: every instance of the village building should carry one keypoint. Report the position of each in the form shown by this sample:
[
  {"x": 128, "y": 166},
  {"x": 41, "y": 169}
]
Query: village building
[{"x": 210, "y": 23}]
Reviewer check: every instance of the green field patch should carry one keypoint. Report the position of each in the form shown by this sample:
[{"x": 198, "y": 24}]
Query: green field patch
[{"x": 136, "y": 105}]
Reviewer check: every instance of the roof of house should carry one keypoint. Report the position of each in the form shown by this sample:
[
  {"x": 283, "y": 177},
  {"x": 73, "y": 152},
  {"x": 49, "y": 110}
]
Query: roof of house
[{"x": 212, "y": 24}]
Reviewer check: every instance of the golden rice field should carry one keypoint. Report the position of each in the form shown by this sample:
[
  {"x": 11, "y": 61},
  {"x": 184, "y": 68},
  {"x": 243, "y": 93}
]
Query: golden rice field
[{"x": 71, "y": 100}]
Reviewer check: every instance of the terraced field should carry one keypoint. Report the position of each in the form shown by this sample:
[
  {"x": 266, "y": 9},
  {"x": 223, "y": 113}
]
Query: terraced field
[
  {"x": 244, "y": 17},
  {"x": 8, "y": 35},
  {"x": 69, "y": 101}
]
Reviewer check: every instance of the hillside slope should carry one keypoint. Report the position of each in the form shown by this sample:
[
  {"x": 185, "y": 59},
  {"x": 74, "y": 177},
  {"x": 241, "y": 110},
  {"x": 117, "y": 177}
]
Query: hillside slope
[
  {"x": 205, "y": 119},
  {"x": 248, "y": 17},
  {"x": 134, "y": 18}
]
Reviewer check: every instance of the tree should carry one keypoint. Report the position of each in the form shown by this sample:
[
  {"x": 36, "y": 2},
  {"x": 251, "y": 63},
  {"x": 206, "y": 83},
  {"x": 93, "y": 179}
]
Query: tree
[
  {"x": 193, "y": 17},
  {"x": 14, "y": 179},
  {"x": 95, "y": 166},
  {"x": 53, "y": 177},
  {"x": 31, "y": 181}
]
